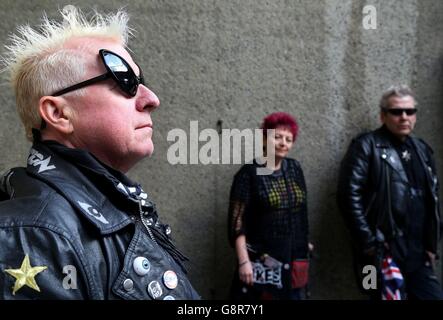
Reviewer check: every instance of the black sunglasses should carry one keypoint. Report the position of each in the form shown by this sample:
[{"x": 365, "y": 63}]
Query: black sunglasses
[
  {"x": 117, "y": 69},
  {"x": 399, "y": 111}
]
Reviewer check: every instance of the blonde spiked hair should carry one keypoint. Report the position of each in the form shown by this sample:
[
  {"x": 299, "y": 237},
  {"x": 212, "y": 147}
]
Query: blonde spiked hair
[{"x": 38, "y": 65}]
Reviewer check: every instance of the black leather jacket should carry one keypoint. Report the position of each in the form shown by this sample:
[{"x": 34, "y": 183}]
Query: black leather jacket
[
  {"x": 72, "y": 220},
  {"x": 373, "y": 190}
]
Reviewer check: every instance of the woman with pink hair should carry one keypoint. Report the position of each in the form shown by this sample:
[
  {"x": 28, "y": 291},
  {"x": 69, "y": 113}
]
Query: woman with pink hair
[{"x": 268, "y": 224}]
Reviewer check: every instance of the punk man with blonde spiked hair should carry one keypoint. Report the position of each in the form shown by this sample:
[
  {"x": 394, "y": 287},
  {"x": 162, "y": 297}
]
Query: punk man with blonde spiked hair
[{"x": 72, "y": 225}]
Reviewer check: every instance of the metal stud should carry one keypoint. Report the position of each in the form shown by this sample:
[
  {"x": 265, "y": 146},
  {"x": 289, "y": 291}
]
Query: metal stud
[{"x": 128, "y": 284}]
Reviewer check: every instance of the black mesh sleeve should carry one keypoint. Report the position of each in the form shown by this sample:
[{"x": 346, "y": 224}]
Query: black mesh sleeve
[{"x": 238, "y": 204}]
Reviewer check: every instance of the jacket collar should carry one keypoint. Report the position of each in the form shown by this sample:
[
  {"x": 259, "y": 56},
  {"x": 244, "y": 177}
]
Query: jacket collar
[{"x": 86, "y": 183}]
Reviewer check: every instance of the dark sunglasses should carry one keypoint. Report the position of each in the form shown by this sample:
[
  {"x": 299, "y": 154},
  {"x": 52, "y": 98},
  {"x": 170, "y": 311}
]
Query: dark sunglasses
[
  {"x": 117, "y": 69},
  {"x": 399, "y": 111}
]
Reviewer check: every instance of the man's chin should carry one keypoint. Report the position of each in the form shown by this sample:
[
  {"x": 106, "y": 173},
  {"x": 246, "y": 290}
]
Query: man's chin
[
  {"x": 281, "y": 155},
  {"x": 404, "y": 132},
  {"x": 149, "y": 152},
  {"x": 145, "y": 151}
]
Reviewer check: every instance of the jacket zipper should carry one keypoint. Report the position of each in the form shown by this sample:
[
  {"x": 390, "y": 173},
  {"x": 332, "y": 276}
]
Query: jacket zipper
[
  {"x": 145, "y": 223},
  {"x": 371, "y": 202},
  {"x": 395, "y": 230}
]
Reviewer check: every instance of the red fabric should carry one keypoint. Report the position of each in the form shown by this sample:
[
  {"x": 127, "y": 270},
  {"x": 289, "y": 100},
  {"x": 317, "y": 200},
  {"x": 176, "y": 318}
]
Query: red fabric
[
  {"x": 300, "y": 273},
  {"x": 266, "y": 296}
]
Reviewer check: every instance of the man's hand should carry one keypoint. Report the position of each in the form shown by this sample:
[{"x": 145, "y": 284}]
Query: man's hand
[
  {"x": 371, "y": 251},
  {"x": 245, "y": 272},
  {"x": 311, "y": 247},
  {"x": 431, "y": 257}
]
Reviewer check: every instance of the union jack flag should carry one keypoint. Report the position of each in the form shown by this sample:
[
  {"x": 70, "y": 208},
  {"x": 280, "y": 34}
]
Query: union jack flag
[{"x": 392, "y": 280}]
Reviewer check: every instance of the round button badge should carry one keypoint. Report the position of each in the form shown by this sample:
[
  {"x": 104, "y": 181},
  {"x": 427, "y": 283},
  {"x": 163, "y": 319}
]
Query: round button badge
[
  {"x": 154, "y": 290},
  {"x": 170, "y": 279},
  {"x": 141, "y": 266}
]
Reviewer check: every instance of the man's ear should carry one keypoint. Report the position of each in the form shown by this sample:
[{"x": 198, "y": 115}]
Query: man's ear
[
  {"x": 382, "y": 117},
  {"x": 56, "y": 113}
]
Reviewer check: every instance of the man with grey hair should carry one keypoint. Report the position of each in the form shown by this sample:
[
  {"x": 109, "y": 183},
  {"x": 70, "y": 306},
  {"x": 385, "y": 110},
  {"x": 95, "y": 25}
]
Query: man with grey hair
[
  {"x": 388, "y": 194},
  {"x": 72, "y": 225}
]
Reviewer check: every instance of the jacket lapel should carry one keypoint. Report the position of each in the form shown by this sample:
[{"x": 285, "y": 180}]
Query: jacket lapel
[
  {"x": 424, "y": 162},
  {"x": 390, "y": 156}
]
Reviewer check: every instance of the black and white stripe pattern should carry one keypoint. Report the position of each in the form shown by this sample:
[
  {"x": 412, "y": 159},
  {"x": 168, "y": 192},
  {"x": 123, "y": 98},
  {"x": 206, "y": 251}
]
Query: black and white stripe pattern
[
  {"x": 5, "y": 184},
  {"x": 161, "y": 232}
]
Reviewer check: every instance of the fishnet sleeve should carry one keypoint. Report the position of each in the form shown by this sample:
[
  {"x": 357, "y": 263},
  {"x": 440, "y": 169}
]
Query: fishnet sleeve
[{"x": 238, "y": 204}]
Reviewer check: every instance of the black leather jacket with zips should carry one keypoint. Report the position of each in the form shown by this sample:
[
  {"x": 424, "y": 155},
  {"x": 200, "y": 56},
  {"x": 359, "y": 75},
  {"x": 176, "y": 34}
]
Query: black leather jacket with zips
[
  {"x": 88, "y": 240},
  {"x": 373, "y": 190}
]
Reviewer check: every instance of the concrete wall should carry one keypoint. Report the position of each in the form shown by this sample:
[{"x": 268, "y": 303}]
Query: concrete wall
[{"x": 237, "y": 61}]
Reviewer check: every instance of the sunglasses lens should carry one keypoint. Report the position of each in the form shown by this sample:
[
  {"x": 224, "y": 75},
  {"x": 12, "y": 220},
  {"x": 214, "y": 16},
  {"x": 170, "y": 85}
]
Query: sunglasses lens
[
  {"x": 399, "y": 111},
  {"x": 123, "y": 73},
  {"x": 396, "y": 112}
]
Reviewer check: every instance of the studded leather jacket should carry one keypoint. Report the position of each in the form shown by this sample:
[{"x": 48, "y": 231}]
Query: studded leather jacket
[
  {"x": 68, "y": 232},
  {"x": 373, "y": 191}
]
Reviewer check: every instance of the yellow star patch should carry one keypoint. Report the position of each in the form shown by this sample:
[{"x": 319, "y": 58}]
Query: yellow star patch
[{"x": 25, "y": 275}]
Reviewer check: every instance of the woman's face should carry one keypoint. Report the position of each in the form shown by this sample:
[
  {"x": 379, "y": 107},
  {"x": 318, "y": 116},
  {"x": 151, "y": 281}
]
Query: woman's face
[{"x": 282, "y": 142}]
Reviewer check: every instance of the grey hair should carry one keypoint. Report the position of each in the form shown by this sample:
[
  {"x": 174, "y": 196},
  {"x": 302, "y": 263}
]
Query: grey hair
[
  {"x": 396, "y": 91},
  {"x": 38, "y": 64}
]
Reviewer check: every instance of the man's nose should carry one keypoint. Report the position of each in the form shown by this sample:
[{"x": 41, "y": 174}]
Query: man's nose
[
  {"x": 147, "y": 99},
  {"x": 404, "y": 115}
]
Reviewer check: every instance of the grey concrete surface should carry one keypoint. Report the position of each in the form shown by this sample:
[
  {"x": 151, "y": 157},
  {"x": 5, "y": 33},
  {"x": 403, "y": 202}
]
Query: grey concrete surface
[{"x": 237, "y": 61}]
